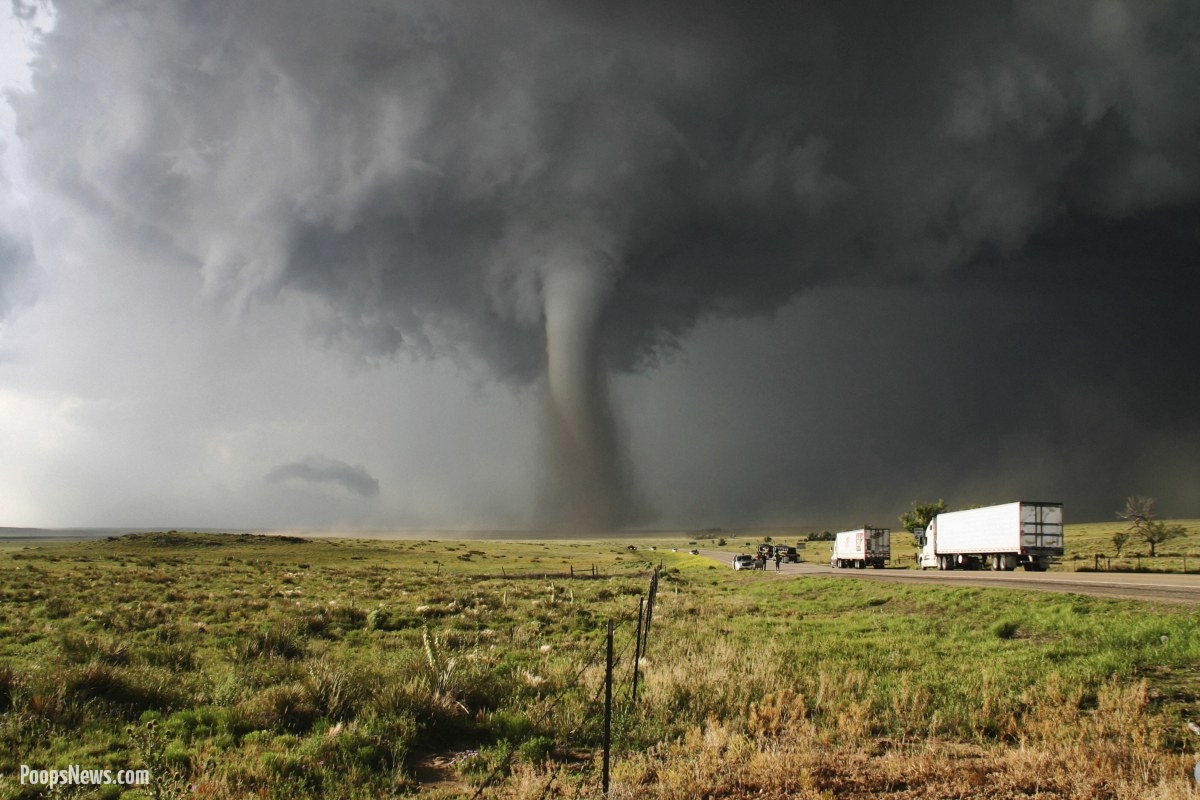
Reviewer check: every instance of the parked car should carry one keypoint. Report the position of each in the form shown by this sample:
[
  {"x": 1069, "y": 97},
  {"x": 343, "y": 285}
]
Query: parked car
[
  {"x": 694, "y": 552},
  {"x": 789, "y": 554},
  {"x": 743, "y": 561}
]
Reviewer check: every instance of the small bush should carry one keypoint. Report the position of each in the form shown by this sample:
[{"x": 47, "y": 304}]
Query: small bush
[
  {"x": 536, "y": 749},
  {"x": 176, "y": 656},
  {"x": 272, "y": 643},
  {"x": 9, "y": 681},
  {"x": 1006, "y": 629},
  {"x": 80, "y": 649},
  {"x": 59, "y": 607},
  {"x": 334, "y": 691},
  {"x": 511, "y": 725},
  {"x": 378, "y": 620},
  {"x": 128, "y": 692},
  {"x": 195, "y": 723},
  {"x": 285, "y": 708},
  {"x": 349, "y": 617}
]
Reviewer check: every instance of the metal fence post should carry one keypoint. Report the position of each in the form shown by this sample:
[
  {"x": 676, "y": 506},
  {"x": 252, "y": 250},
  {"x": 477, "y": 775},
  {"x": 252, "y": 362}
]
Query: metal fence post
[
  {"x": 608, "y": 707},
  {"x": 637, "y": 648}
]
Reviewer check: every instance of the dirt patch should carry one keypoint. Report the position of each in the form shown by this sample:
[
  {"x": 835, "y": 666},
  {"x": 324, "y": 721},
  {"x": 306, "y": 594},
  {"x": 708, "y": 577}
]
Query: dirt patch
[{"x": 436, "y": 773}]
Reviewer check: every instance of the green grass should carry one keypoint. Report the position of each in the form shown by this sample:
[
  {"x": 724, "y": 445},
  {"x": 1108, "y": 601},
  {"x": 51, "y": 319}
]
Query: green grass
[{"x": 286, "y": 667}]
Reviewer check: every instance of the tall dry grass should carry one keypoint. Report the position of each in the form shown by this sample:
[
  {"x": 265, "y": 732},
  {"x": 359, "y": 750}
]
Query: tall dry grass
[{"x": 1111, "y": 752}]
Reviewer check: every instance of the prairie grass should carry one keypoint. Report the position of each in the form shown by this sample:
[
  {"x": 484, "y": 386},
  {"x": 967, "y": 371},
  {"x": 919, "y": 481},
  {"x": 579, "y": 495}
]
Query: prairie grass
[{"x": 295, "y": 668}]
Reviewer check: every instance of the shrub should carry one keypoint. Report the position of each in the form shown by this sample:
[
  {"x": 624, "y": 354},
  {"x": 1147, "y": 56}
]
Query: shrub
[
  {"x": 1006, "y": 629},
  {"x": 334, "y": 690},
  {"x": 348, "y": 617},
  {"x": 127, "y": 692},
  {"x": 273, "y": 642},
  {"x": 284, "y": 707},
  {"x": 536, "y": 749},
  {"x": 9, "y": 682},
  {"x": 378, "y": 620},
  {"x": 511, "y": 725},
  {"x": 59, "y": 607},
  {"x": 81, "y": 649}
]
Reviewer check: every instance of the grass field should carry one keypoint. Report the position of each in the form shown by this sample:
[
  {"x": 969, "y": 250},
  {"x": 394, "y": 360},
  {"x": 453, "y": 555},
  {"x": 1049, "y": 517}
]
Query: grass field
[{"x": 235, "y": 666}]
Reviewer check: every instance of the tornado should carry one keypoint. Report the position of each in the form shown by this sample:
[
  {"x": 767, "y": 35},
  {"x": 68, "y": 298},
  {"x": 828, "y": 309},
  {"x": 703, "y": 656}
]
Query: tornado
[{"x": 584, "y": 487}]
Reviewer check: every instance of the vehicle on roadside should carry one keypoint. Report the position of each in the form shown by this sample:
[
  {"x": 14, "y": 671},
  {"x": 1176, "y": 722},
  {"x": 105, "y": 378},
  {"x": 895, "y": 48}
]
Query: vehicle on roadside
[
  {"x": 865, "y": 547},
  {"x": 743, "y": 561},
  {"x": 1021, "y": 534},
  {"x": 788, "y": 554},
  {"x": 694, "y": 552}
]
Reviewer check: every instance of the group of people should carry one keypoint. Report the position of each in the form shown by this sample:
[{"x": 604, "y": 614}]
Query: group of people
[{"x": 760, "y": 560}]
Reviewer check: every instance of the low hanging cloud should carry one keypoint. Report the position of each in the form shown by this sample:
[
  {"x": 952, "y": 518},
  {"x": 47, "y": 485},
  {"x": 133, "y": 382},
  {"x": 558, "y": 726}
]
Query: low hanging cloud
[{"x": 317, "y": 468}]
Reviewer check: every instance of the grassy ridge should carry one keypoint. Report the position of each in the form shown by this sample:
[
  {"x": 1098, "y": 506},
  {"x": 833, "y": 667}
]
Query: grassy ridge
[{"x": 289, "y": 667}]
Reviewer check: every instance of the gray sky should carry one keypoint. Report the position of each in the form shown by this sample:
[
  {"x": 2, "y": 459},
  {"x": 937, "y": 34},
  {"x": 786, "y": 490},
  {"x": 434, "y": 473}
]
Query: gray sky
[{"x": 302, "y": 264}]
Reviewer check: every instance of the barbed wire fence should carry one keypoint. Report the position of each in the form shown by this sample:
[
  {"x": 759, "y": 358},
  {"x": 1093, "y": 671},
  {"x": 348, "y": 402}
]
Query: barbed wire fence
[{"x": 602, "y": 712}]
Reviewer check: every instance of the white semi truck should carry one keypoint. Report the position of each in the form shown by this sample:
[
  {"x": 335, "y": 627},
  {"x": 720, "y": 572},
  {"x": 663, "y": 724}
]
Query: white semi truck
[
  {"x": 1004, "y": 537},
  {"x": 862, "y": 548}
]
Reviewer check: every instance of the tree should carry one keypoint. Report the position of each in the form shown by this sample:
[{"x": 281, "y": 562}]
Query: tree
[
  {"x": 1144, "y": 525},
  {"x": 1119, "y": 540},
  {"x": 1157, "y": 531},
  {"x": 917, "y": 518},
  {"x": 1138, "y": 511}
]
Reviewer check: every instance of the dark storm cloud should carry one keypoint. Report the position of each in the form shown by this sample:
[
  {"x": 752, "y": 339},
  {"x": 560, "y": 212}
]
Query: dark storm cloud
[
  {"x": 422, "y": 167},
  {"x": 432, "y": 171},
  {"x": 317, "y": 468}
]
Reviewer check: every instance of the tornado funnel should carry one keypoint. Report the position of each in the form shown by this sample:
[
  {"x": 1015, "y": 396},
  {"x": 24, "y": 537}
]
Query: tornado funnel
[{"x": 584, "y": 487}]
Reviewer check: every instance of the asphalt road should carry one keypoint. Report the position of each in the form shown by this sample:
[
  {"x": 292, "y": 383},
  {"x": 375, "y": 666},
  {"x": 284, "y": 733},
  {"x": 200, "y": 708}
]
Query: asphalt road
[{"x": 1137, "y": 585}]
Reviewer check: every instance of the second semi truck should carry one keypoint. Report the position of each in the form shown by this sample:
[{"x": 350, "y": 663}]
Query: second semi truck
[
  {"x": 865, "y": 547},
  {"x": 1026, "y": 534}
]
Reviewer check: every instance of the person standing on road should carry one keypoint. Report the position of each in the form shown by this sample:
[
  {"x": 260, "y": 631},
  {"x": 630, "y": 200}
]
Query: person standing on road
[{"x": 778, "y": 558}]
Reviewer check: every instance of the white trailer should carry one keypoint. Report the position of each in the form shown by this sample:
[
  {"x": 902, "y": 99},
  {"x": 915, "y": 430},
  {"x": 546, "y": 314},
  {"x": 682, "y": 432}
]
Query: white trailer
[
  {"x": 1027, "y": 534},
  {"x": 862, "y": 548}
]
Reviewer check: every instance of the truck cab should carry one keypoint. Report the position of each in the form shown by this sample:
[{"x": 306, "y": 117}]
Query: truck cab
[{"x": 927, "y": 558}]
